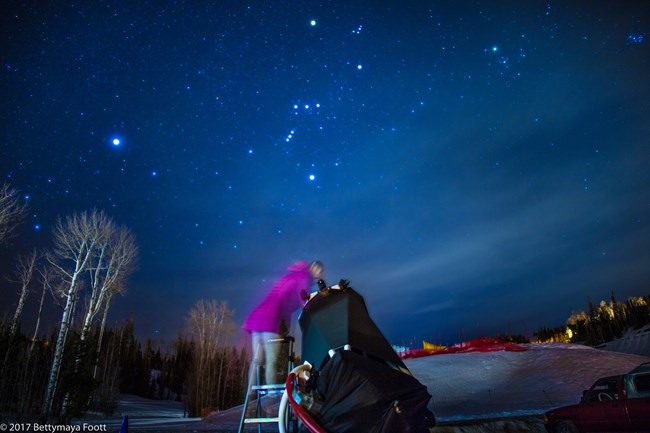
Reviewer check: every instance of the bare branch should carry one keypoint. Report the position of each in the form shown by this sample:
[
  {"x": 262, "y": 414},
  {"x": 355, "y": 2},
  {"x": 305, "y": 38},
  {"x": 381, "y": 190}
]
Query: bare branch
[
  {"x": 12, "y": 211},
  {"x": 24, "y": 271}
]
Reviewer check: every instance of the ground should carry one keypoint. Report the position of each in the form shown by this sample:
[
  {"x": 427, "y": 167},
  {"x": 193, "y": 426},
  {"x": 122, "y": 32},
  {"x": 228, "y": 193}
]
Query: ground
[{"x": 471, "y": 392}]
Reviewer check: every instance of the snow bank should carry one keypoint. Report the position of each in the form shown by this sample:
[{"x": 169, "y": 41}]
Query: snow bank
[
  {"x": 635, "y": 341},
  {"x": 501, "y": 384}
]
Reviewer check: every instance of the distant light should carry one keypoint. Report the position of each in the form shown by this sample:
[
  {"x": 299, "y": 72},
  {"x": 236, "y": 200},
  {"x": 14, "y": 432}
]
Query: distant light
[
  {"x": 312, "y": 177},
  {"x": 306, "y": 106},
  {"x": 359, "y": 67},
  {"x": 37, "y": 227},
  {"x": 495, "y": 49},
  {"x": 313, "y": 23},
  {"x": 154, "y": 173},
  {"x": 317, "y": 105},
  {"x": 116, "y": 142}
]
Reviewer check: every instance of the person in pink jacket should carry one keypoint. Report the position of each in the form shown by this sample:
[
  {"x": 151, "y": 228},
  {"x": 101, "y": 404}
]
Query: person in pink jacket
[{"x": 286, "y": 296}]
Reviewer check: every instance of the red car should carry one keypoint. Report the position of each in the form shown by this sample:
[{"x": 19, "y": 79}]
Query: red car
[{"x": 612, "y": 404}]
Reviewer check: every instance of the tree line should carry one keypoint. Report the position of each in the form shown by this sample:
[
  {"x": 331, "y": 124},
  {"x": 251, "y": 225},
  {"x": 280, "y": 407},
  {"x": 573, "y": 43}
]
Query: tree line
[
  {"x": 598, "y": 325},
  {"x": 84, "y": 364}
]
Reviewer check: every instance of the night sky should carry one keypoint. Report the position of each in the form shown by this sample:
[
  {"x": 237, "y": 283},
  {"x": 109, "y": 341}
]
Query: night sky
[{"x": 470, "y": 166}]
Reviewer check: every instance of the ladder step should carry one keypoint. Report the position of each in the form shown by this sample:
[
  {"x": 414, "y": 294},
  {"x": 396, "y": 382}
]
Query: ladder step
[
  {"x": 272, "y": 387},
  {"x": 260, "y": 420}
]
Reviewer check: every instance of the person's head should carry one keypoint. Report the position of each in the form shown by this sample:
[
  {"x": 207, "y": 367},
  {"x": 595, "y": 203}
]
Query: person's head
[{"x": 316, "y": 269}]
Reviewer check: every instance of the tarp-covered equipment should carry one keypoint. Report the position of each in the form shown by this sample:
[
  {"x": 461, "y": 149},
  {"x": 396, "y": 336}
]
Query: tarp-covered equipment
[{"x": 358, "y": 383}]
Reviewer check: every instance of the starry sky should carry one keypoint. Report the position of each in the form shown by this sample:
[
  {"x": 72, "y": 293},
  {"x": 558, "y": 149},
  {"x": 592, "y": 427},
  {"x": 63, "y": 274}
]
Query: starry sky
[{"x": 472, "y": 167}]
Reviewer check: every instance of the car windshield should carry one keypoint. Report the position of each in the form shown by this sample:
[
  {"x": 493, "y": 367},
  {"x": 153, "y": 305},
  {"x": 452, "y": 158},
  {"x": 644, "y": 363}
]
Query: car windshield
[
  {"x": 642, "y": 382},
  {"x": 604, "y": 390}
]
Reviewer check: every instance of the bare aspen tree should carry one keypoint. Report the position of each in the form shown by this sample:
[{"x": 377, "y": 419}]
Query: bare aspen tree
[
  {"x": 26, "y": 388},
  {"x": 45, "y": 276},
  {"x": 226, "y": 326},
  {"x": 75, "y": 241},
  {"x": 210, "y": 323},
  {"x": 24, "y": 270},
  {"x": 12, "y": 211},
  {"x": 115, "y": 261},
  {"x": 23, "y": 275},
  {"x": 112, "y": 262}
]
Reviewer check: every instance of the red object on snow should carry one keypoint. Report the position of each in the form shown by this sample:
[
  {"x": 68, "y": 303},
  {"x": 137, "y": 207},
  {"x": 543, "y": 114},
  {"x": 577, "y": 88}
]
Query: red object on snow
[{"x": 484, "y": 344}]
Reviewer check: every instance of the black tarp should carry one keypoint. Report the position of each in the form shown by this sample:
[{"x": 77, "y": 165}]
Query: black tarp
[
  {"x": 334, "y": 318},
  {"x": 366, "y": 388},
  {"x": 354, "y": 394}
]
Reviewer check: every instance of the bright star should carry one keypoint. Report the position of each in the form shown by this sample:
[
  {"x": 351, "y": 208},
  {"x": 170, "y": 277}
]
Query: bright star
[
  {"x": 116, "y": 142},
  {"x": 636, "y": 38},
  {"x": 312, "y": 177},
  {"x": 359, "y": 67},
  {"x": 313, "y": 23}
]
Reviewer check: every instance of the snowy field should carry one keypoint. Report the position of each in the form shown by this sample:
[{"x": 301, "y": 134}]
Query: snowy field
[
  {"x": 472, "y": 392},
  {"x": 503, "y": 384}
]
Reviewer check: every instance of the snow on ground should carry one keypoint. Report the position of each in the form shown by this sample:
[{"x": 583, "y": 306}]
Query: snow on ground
[
  {"x": 499, "y": 384},
  {"x": 469, "y": 387},
  {"x": 512, "y": 389},
  {"x": 146, "y": 414},
  {"x": 635, "y": 341}
]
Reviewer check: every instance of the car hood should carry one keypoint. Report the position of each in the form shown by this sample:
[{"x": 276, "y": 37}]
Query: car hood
[{"x": 561, "y": 411}]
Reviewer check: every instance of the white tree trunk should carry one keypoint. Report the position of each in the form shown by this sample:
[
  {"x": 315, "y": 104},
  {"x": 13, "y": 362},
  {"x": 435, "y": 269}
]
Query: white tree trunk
[
  {"x": 101, "y": 331},
  {"x": 24, "y": 272},
  {"x": 58, "y": 352},
  {"x": 38, "y": 317}
]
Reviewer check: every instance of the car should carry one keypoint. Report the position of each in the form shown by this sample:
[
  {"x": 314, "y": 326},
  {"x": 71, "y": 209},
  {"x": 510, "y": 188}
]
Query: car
[{"x": 614, "y": 404}]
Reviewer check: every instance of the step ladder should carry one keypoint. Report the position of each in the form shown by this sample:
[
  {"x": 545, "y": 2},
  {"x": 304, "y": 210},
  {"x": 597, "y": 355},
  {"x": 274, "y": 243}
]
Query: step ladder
[{"x": 256, "y": 387}]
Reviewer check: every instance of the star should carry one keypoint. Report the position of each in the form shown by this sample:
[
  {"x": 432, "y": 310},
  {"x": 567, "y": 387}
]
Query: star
[
  {"x": 116, "y": 142},
  {"x": 312, "y": 23},
  {"x": 636, "y": 38}
]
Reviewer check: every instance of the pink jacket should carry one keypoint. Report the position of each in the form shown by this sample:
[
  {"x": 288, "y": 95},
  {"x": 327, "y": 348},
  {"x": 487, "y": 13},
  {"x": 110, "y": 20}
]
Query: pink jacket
[{"x": 286, "y": 296}]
